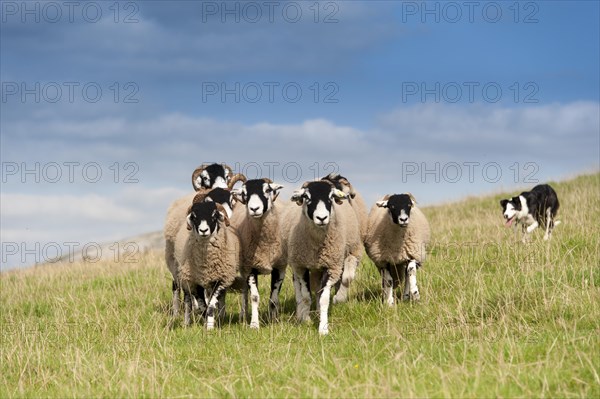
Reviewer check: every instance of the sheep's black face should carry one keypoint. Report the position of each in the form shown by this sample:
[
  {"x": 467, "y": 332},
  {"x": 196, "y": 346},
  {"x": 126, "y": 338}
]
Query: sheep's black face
[
  {"x": 214, "y": 175},
  {"x": 398, "y": 206},
  {"x": 258, "y": 195},
  {"x": 223, "y": 197},
  {"x": 204, "y": 219},
  {"x": 317, "y": 199}
]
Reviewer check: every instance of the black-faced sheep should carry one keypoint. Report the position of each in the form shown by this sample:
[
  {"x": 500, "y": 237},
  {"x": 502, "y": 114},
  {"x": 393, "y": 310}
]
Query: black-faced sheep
[
  {"x": 397, "y": 236},
  {"x": 324, "y": 242},
  {"x": 207, "y": 252},
  {"x": 177, "y": 213}
]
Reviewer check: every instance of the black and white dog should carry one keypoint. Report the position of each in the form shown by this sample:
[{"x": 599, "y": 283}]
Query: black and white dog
[{"x": 531, "y": 209}]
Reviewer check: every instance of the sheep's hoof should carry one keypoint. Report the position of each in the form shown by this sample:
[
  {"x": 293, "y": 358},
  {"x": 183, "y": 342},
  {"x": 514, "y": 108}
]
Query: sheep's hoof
[
  {"x": 254, "y": 325},
  {"x": 415, "y": 296},
  {"x": 340, "y": 298},
  {"x": 323, "y": 330}
]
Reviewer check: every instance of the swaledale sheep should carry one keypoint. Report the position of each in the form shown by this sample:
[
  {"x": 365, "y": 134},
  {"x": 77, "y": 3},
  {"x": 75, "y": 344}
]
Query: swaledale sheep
[
  {"x": 207, "y": 252},
  {"x": 263, "y": 242},
  {"x": 324, "y": 244},
  {"x": 396, "y": 241},
  {"x": 177, "y": 213},
  {"x": 356, "y": 201}
]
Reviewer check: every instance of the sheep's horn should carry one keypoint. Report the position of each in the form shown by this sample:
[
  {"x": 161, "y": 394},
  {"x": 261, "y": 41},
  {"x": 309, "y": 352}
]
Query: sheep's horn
[
  {"x": 200, "y": 196},
  {"x": 267, "y": 180},
  {"x": 412, "y": 197},
  {"x": 236, "y": 178},
  {"x": 229, "y": 170},
  {"x": 222, "y": 212}
]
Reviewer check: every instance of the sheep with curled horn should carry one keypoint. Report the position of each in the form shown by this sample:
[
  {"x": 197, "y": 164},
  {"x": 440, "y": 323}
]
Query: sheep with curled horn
[
  {"x": 178, "y": 210},
  {"x": 215, "y": 175},
  {"x": 207, "y": 253},
  {"x": 324, "y": 246}
]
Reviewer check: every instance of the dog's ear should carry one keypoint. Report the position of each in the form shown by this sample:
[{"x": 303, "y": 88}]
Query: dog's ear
[{"x": 503, "y": 203}]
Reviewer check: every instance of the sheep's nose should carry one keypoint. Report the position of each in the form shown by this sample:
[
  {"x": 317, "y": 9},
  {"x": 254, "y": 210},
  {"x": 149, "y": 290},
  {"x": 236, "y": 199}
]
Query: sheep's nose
[
  {"x": 322, "y": 218},
  {"x": 403, "y": 219},
  {"x": 203, "y": 231},
  {"x": 254, "y": 209}
]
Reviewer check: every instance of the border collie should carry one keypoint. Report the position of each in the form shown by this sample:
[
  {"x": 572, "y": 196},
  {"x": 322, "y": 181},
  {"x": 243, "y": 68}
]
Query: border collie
[{"x": 531, "y": 209}]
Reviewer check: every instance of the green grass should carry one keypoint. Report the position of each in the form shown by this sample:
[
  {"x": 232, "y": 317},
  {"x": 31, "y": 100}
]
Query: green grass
[{"x": 496, "y": 319}]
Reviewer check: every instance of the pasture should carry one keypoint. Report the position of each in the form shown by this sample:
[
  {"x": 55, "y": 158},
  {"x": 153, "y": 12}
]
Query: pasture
[{"x": 497, "y": 318}]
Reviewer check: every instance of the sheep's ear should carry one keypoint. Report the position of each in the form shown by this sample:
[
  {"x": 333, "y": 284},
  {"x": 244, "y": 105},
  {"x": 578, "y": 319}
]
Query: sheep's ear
[
  {"x": 339, "y": 196},
  {"x": 222, "y": 214},
  {"x": 503, "y": 203},
  {"x": 412, "y": 198},
  {"x": 382, "y": 203},
  {"x": 275, "y": 188},
  {"x": 237, "y": 194},
  {"x": 190, "y": 225},
  {"x": 298, "y": 197}
]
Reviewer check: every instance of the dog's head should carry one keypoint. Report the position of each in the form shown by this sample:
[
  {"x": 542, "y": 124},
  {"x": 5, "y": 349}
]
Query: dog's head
[{"x": 511, "y": 209}]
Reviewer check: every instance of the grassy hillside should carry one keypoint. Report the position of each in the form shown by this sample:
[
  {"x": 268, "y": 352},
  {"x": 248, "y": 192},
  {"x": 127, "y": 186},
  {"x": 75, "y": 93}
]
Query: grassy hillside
[{"x": 496, "y": 318}]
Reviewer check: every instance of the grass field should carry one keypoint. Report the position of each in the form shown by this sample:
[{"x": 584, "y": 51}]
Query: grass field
[{"x": 497, "y": 318}]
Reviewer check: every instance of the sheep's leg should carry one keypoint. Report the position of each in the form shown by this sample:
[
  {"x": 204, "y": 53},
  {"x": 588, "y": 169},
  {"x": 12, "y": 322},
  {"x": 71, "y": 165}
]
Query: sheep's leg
[
  {"x": 212, "y": 301},
  {"x": 221, "y": 306},
  {"x": 254, "y": 298},
  {"x": 316, "y": 277},
  {"x": 244, "y": 311},
  {"x": 176, "y": 298},
  {"x": 277, "y": 277},
  {"x": 343, "y": 286},
  {"x": 187, "y": 308},
  {"x": 326, "y": 283},
  {"x": 302, "y": 288},
  {"x": 199, "y": 303},
  {"x": 387, "y": 285},
  {"x": 411, "y": 291}
]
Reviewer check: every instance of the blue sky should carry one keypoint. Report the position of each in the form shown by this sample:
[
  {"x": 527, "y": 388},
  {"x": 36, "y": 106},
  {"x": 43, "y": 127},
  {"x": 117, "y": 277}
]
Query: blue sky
[{"x": 442, "y": 99}]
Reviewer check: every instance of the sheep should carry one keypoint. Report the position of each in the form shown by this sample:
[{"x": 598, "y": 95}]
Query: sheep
[
  {"x": 356, "y": 201},
  {"x": 177, "y": 212},
  {"x": 207, "y": 252},
  {"x": 397, "y": 238},
  {"x": 264, "y": 248},
  {"x": 324, "y": 245}
]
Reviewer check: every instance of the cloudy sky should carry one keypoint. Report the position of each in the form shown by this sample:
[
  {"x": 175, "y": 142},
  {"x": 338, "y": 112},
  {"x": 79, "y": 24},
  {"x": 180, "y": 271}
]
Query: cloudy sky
[{"x": 107, "y": 107}]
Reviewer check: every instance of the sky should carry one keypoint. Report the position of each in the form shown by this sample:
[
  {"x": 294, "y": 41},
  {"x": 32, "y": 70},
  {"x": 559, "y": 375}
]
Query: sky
[{"x": 107, "y": 107}]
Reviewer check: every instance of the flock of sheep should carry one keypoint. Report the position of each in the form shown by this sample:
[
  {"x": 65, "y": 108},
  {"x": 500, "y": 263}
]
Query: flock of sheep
[{"x": 222, "y": 238}]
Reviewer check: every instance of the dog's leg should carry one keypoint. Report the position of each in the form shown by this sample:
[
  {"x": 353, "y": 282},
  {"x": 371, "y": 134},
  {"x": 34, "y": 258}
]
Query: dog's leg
[
  {"x": 532, "y": 227},
  {"x": 549, "y": 224},
  {"x": 525, "y": 238}
]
